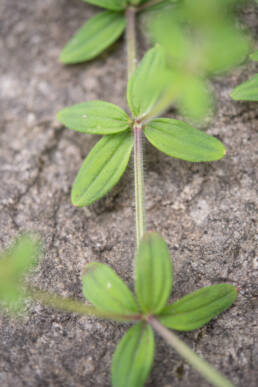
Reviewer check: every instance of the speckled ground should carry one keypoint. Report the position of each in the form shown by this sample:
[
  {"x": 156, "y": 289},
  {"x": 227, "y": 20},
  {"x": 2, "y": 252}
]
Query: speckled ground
[{"x": 206, "y": 212}]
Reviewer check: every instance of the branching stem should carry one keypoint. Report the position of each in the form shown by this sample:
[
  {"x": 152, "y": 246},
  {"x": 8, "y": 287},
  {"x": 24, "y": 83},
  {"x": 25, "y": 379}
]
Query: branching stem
[{"x": 204, "y": 368}]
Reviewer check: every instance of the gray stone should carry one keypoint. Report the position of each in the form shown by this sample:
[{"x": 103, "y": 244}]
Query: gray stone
[{"x": 206, "y": 212}]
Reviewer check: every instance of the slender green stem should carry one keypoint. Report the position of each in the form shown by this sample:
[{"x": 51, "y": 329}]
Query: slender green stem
[
  {"x": 137, "y": 129},
  {"x": 131, "y": 40},
  {"x": 204, "y": 368},
  {"x": 139, "y": 182},
  {"x": 73, "y": 306}
]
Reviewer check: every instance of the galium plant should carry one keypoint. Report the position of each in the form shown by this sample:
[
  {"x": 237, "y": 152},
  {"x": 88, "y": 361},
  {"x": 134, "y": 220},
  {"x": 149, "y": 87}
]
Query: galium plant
[
  {"x": 147, "y": 308},
  {"x": 175, "y": 70}
]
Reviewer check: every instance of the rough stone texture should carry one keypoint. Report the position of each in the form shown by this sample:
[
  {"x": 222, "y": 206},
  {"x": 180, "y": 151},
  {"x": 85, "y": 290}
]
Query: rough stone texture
[{"x": 206, "y": 212}]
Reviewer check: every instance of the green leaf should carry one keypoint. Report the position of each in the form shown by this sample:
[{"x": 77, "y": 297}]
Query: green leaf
[
  {"x": 147, "y": 82},
  {"x": 106, "y": 291},
  {"x": 15, "y": 262},
  {"x": 153, "y": 273},
  {"x": 96, "y": 35},
  {"x": 197, "y": 308},
  {"x": 247, "y": 91},
  {"x": 133, "y": 358},
  {"x": 102, "y": 168},
  {"x": 95, "y": 117},
  {"x": 254, "y": 56},
  {"x": 114, "y": 5},
  {"x": 180, "y": 140},
  {"x": 194, "y": 99}
]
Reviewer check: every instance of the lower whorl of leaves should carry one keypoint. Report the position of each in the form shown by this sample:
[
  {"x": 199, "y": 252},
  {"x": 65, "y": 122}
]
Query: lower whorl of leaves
[
  {"x": 107, "y": 292},
  {"x": 198, "y": 308},
  {"x": 154, "y": 275},
  {"x": 102, "y": 168},
  {"x": 133, "y": 358}
]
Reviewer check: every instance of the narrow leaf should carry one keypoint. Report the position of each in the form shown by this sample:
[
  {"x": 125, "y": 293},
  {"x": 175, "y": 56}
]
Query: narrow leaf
[
  {"x": 133, "y": 358},
  {"x": 197, "y": 308},
  {"x": 96, "y": 35},
  {"x": 247, "y": 91},
  {"x": 254, "y": 56},
  {"x": 153, "y": 273},
  {"x": 106, "y": 291},
  {"x": 102, "y": 168},
  {"x": 96, "y": 117},
  {"x": 15, "y": 262},
  {"x": 114, "y": 5},
  {"x": 180, "y": 140},
  {"x": 147, "y": 82}
]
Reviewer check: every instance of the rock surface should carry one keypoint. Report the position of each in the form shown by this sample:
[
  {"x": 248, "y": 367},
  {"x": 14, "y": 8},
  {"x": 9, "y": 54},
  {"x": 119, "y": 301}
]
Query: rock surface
[{"x": 206, "y": 212}]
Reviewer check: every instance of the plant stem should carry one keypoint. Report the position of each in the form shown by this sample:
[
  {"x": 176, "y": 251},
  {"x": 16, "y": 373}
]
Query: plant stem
[
  {"x": 73, "y": 306},
  {"x": 139, "y": 182},
  {"x": 204, "y": 368},
  {"x": 137, "y": 129},
  {"x": 131, "y": 40}
]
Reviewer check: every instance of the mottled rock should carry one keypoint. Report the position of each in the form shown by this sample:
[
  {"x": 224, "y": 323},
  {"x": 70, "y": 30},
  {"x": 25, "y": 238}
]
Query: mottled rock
[{"x": 206, "y": 212}]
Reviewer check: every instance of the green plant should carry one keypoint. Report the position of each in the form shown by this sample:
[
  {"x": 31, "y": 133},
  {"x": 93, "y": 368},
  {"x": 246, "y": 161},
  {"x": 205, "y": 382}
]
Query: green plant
[
  {"x": 248, "y": 90},
  {"x": 111, "y": 298},
  {"x": 175, "y": 70}
]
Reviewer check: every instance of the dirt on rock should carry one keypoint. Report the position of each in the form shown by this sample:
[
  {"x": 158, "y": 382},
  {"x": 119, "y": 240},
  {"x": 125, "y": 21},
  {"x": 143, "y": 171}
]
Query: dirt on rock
[{"x": 205, "y": 212}]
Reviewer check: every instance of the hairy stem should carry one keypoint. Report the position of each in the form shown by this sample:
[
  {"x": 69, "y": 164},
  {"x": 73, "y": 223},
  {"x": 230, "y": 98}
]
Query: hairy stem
[
  {"x": 139, "y": 182},
  {"x": 131, "y": 40},
  {"x": 73, "y": 306},
  {"x": 137, "y": 130},
  {"x": 204, "y": 368}
]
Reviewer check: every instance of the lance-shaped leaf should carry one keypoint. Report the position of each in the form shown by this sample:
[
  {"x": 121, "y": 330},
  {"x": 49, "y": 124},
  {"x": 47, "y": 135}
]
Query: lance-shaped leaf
[
  {"x": 96, "y": 35},
  {"x": 197, "y": 308},
  {"x": 102, "y": 168},
  {"x": 154, "y": 276},
  {"x": 107, "y": 292},
  {"x": 254, "y": 56},
  {"x": 133, "y": 358},
  {"x": 114, "y": 5},
  {"x": 180, "y": 140},
  {"x": 147, "y": 82},
  {"x": 15, "y": 262},
  {"x": 247, "y": 91},
  {"x": 95, "y": 117}
]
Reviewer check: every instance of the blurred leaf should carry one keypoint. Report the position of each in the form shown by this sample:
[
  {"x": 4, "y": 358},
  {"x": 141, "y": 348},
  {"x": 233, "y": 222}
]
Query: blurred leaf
[
  {"x": 154, "y": 275},
  {"x": 15, "y": 262},
  {"x": 254, "y": 56},
  {"x": 200, "y": 38},
  {"x": 197, "y": 308},
  {"x": 106, "y": 291},
  {"x": 96, "y": 117},
  {"x": 102, "y": 168},
  {"x": 247, "y": 91},
  {"x": 96, "y": 35},
  {"x": 114, "y": 5},
  {"x": 194, "y": 99},
  {"x": 133, "y": 358},
  {"x": 147, "y": 82},
  {"x": 231, "y": 44},
  {"x": 180, "y": 140}
]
